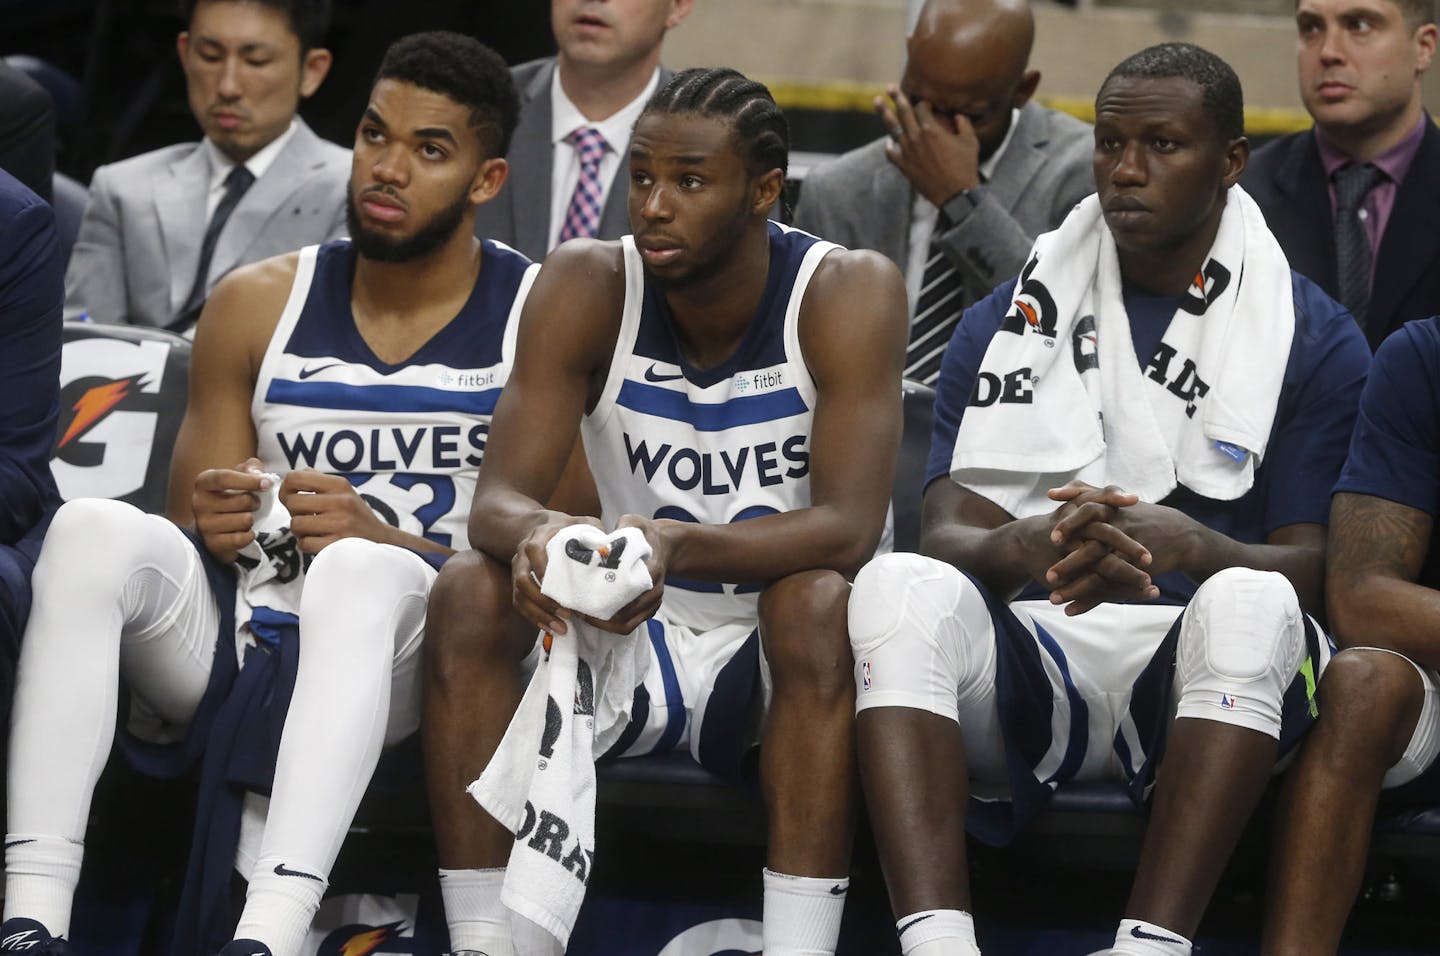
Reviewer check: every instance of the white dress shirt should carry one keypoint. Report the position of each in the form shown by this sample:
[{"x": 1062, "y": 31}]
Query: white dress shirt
[
  {"x": 220, "y": 166},
  {"x": 565, "y": 118}
]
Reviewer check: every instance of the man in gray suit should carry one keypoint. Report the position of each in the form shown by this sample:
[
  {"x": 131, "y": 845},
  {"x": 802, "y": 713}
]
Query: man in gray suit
[
  {"x": 163, "y": 227},
  {"x": 971, "y": 173},
  {"x": 568, "y": 158}
]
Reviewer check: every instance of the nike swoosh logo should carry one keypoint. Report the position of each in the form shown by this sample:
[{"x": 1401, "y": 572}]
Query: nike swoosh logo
[
  {"x": 918, "y": 919},
  {"x": 1138, "y": 933},
  {"x": 282, "y": 870},
  {"x": 652, "y": 376},
  {"x": 837, "y": 890},
  {"x": 17, "y": 843},
  {"x": 307, "y": 372}
]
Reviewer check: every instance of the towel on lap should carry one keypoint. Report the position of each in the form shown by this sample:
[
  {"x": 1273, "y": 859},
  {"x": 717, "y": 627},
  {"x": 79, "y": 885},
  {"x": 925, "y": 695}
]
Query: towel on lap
[{"x": 541, "y": 782}]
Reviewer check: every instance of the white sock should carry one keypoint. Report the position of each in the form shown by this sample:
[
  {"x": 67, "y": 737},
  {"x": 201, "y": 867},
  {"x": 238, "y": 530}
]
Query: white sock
[
  {"x": 1146, "y": 939},
  {"x": 802, "y": 914},
  {"x": 478, "y": 920},
  {"x": 40, "y": 877},
  {"x": 280, "y": 905},
  {"x": 937, "y": 933}
]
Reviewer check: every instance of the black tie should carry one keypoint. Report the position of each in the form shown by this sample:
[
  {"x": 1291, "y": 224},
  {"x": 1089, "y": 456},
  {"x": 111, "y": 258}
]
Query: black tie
[
  {"x": 1353, "y": 254},
  {"x": 937, "y": 309},
  {"x": 239, "y": 180}
]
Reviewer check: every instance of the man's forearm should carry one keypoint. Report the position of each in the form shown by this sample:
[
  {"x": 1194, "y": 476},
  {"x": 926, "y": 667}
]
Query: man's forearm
[
  {"x": 1382, "y": 611},
  {"x": 502, "y": 519},
  {"x": 996, "y": 556},
  {"x": 1302, "y": 564},
  {"x": 768, "y": 548}
]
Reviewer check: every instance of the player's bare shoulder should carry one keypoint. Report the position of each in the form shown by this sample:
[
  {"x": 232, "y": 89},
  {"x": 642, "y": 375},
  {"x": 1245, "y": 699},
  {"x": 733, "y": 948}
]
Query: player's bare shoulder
[
  {"x": 580, "y": 290},
  {"x": 245, "y": 306},
  {"x": 855, "y": 303}
]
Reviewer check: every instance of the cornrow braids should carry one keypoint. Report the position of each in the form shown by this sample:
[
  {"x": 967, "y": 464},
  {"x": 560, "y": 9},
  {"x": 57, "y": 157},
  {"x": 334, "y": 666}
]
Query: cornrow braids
[{"x": 726, "y": 94}]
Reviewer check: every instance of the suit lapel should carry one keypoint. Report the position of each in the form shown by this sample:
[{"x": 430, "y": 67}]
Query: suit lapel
[
  {"x": 1411, "y": 241},
  {"x": 267, "y": 200},
  {"x": 1307, "y": 232},
  {"x": 1023, "y": 158},
  {"x": 531, "y": 152},
  {"x": 890, "y": 194},
  {"x": 180, "y": 195}
]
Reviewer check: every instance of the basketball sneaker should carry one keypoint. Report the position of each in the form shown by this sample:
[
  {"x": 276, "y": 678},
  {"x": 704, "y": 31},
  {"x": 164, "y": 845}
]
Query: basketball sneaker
[{"x": 20, "y": 935}]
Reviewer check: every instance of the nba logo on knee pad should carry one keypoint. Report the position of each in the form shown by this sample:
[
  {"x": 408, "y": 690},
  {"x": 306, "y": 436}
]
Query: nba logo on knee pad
[
  {"x": 865, "y": 675},
  {"x": 1227, "y": 701}
]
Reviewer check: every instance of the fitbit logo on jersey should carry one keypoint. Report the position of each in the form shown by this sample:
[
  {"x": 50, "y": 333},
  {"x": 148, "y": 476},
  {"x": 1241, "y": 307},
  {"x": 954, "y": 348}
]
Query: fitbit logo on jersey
[
  {"x": 723, "y": 472},
  {"x": 449, "y": 379},
  {"x": 412, "y": 448},
  {"x": 760, "y": 380}
]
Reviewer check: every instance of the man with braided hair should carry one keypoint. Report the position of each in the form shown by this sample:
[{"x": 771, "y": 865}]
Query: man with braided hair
[{"x": 719, "y": 367}]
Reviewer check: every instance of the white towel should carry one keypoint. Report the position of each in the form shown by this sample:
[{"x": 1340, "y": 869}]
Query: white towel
[
  {"x": 541, "y": 782},
  {"x": 1064, "y": 398}
]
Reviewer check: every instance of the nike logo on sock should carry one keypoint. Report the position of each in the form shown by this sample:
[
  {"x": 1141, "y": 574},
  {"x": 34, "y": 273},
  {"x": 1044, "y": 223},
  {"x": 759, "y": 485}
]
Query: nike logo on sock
[
  {"x": 10, "y": 843},
  {"x": 1139, "y": 933},
  {"x": 282, "y": 870},
  {"x": 919, "y": 919},
  {"x": 837, "y": 890}
]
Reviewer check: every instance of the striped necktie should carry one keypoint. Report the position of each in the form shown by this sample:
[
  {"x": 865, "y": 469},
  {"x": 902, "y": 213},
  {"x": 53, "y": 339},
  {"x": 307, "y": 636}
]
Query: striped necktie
[
  {"x": 1353, "y": 255},
  {"x": 937, "y": 310},
  {"x": 582, "y": 217}
]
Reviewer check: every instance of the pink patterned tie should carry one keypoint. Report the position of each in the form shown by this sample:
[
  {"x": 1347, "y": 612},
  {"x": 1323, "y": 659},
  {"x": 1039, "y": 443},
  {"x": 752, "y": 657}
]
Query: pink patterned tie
[{"x": 582, "y": 218}]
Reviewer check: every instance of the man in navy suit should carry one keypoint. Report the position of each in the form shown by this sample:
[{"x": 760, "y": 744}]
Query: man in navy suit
[
  {"x": 1366, "y": 180},
  {"x": 32, "y": 288}
]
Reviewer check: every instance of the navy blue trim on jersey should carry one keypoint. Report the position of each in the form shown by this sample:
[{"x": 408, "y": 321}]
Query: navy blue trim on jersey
[
  {"x": 1024, "y": 699},
  {"x": 167, "y": 761},
  {"x": 704, "y": 417},
  {"x": 379, "y": 398},
  {"x": 763, "y": 344},
  {"x": 724, "y": 741},
  {"x": 674, "y": 700},
  {"x": 639, "y": 716},
  {"x": 474, "y": 339}
]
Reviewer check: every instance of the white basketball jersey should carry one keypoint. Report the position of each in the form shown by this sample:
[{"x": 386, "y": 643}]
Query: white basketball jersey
[
  {"x": 409, "y": 437},
  {"x": 714, "y": 446}
]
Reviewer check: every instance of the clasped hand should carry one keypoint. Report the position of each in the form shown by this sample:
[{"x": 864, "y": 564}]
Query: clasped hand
[
  {"x": 527, "y": 571},
  {"x": 1099, "y": 543}
]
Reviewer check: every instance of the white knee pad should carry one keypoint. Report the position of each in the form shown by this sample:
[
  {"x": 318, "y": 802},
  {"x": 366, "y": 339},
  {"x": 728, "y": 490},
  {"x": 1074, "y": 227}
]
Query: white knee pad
[
  {"x": 921, "y": 635},
  {"x": 1241, "y": 641}
]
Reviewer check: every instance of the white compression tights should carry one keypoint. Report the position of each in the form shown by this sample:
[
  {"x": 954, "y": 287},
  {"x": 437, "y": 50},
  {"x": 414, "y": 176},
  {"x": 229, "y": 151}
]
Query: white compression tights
[
  {"x": 362, "y": 616},
  {"x": 122, "y": 595},
  {"x": 117, "y": 592}
]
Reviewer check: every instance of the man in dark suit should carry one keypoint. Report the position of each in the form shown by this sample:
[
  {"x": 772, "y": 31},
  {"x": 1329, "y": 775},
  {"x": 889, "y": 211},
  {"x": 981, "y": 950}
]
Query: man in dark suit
[
  {"x": 31, "y": 289},
  {"x": 1355, "y": 200},
  {"x": 973, "y": 170},
  {"x": 568, "y": 161}
]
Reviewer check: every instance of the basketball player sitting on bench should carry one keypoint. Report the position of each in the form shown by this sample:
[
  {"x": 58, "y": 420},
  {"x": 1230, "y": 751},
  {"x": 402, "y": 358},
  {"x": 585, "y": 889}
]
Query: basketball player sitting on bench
[
  {"x": 364, "y": 370},
  {"x": 1063, "y": 628},
  {"x": 711, "y": 336}
]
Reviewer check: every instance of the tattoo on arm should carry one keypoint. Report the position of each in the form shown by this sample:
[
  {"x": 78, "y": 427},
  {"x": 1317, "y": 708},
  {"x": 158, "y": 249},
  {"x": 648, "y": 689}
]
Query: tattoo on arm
[{"x": 1372, "y": 536}]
